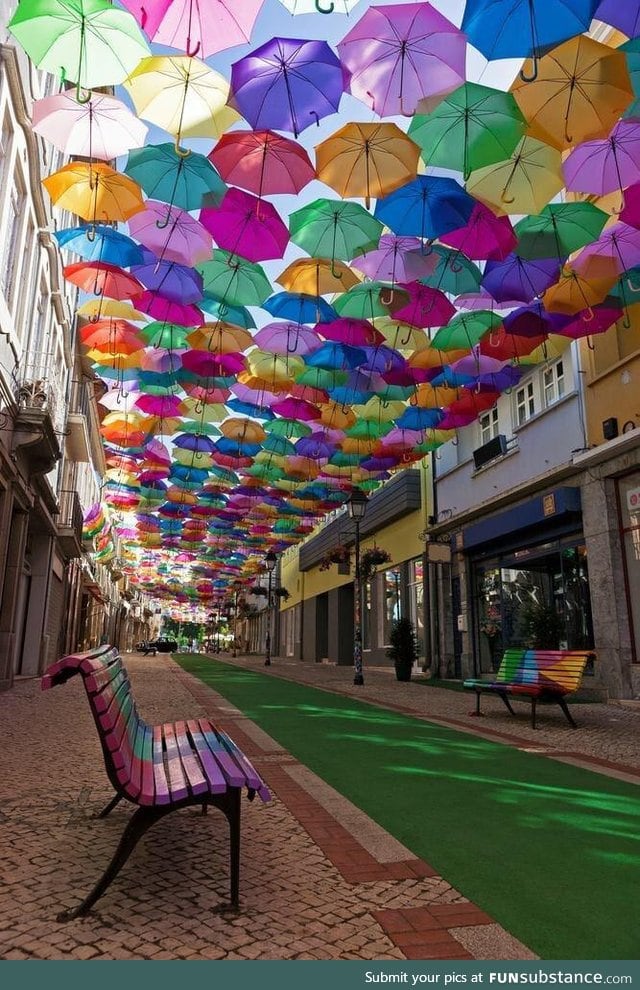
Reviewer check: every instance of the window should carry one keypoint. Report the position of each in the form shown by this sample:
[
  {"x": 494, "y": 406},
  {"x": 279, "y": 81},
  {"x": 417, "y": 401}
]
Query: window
[
  {"x": 525, "y": 403},
  {"x": 489, "y": 426},
  {"x": 553, "y": 384},
  {"x": 6, "y": 145},
  {"x": 10, "y": 249},
  {"x": 392, "y": 601}
]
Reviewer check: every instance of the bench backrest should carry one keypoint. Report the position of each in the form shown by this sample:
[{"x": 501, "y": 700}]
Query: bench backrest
[
  {"x": 557, "y": 671},
  {"x": 122, "y": 732}
]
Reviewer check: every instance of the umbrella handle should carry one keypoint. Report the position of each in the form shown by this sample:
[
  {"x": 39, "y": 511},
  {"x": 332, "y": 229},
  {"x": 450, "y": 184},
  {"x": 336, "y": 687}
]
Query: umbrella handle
[
  {"x": 384, "y": 299},
  {"x": 590, "y": 343},
  {"x": 80, "y": 98},
  {"x": 455, "y": 266},
  {"x": 506, "y": 199},
  {"x": 192, "y": 54},
  {"x": 534, "y": 74},
  {"x": 181, "y": 152},
  {"x": 333, "y": 270},
  {"x": 161, "y": 224},
  {"x": 588, "y": 315},
  {"x": 632, "y": 286},
  {"x": 626, "y": 323},
  {"x": 325, "y": 10},
  {"x": 91, "y": 233},
  {"x": 405, "y": 340}
]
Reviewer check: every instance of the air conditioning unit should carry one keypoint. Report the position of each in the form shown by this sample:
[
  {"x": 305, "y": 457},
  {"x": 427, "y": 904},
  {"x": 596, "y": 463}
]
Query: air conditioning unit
[
  {"x": 610, "y": 428},
  {"x": 495, "y": 447}
]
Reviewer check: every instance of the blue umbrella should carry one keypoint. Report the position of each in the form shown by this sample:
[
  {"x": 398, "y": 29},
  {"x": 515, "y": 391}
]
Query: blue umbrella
[
  {"x": 428, "y": 206},
  {"x": 416, "y": 418},
  {"x": 517, "y": 278},
  {"x": 338, "y": 356},
  {"x": 238, "y": 315},
  {"x": 100, "y": 243},
  {"x": 299, "y": 308},
  {"x": 520, "y": 28},
  {"x": 249, "y": 409},
  {"x": 287, "y": 84},
  {"x": 174, "y": 282}
]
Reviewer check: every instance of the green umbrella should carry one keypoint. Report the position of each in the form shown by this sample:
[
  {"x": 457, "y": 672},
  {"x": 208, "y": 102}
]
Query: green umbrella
[
  {"x": 453, "y": 272},
  {"x": 169, "y": 336},
  {"x": 321, "y": 378},
  {"x": 233, "y": 280},
  {"x": 362, "y": 302},
  {"x": 89, "y": 42},
  {"x": 238, "y": 315},
  {"x": 369, "y": 429},
  {"x": 333, "y": 229},
  {"x": 289, "y": 428},
  {"x": 472, "y": 127},
  {"x": 558, "y": 230},
  {"x": 189, "y": 182},
  {"x": 465, "y": 330}
]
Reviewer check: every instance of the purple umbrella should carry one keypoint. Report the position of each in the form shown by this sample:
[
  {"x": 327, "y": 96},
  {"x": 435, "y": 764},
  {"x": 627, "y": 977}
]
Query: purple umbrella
[
  {"x": 517, "y": 278},
  {"x": 246, "y": 225},
  {"x": 603, "y": 166},
  {"x": 401, "y": 55},
  {"x": 386, "y": 263},
  {"x": 621, "y": 14},
  {"x": 287, "y": 84},
  {"x": 175, "y": 282},
  {"x": 531, "y": 321},
  {"x": 427, "y": 307},
  {"x": 213, "y": 365},
  {"x": 287, "y": 338},
  {"x": 316, "y": 445},
  {"x": 171, "y": 234},
  {"x": 619, "y": 243}
]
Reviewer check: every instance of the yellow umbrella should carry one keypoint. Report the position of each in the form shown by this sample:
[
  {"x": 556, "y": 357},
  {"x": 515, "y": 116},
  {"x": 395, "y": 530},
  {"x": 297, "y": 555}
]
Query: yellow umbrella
[
  {"x": 182, "y": 95},
  {"x": 431, "y": 357},
  {"x": 580, "y": 90},
  {"x": 94, "y": 192},
  {"x": 429, "y": 397},
  {"x": 336, "y": 416},
  {"x": 317, "y": 276},
  {"x": 203, "y": 412},
  {"x": 273, "y": 369},
  {"x": 369, "y": 160},
  {"x": 400, "y": 336},
  {"x": 553, "y": 347},
  {"x": 523, "y": 183},
  {"x": 110, "y": 307},
  {"x": 117, "y": 360},
  {"x": 243, "y": 430},
  {"x": 378, "y": 411}
]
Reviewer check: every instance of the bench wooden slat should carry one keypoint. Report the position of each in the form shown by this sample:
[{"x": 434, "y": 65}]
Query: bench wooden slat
[
  {"x": 175, "y": 774},
  {"x": 215, "y": 777},
  {"x": 254, "y": 780},
  {"x": 190, "y": 763},
  {"x": 234, "y": 774},
  {"x": 161, "y": 785},
  {"x": 148, "y": 792}
]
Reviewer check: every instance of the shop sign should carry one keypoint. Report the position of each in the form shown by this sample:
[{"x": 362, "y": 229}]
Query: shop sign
[
  {"x": 633, "y": 500},
  {"x": 549, "y": 505}
]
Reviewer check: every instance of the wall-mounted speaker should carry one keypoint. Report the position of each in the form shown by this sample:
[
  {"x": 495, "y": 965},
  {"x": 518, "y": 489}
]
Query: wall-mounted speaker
[{"x": 610, "y": 428}]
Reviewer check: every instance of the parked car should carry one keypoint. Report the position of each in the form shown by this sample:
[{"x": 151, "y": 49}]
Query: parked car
[{"x": 154, "y": 646}]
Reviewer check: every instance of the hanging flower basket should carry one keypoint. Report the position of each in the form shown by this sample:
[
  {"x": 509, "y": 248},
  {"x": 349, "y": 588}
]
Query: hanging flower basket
[
  {"x": 339, "y": 555},
  {"x": 371, "y": 559}
]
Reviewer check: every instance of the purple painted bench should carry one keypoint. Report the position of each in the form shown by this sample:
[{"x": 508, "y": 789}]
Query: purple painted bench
[{"x": 159, "y": 768}]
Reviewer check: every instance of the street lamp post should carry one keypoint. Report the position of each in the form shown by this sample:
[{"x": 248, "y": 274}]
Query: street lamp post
[
  {"x": 270, "y": 563},
  {"x": 357, "y": 507}
]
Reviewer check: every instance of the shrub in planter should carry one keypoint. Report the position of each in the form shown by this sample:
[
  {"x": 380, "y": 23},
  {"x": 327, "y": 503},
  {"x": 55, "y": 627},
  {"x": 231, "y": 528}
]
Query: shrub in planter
[{"x": 403, "y": 648}]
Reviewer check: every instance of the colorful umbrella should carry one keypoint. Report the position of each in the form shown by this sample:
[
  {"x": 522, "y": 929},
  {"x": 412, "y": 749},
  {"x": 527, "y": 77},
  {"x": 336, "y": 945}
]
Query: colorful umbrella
[
  {"x": 247, "y": 226},
  {"x": 317, "y": 276},
  {"x": 287, "y": 338},
  {"x": 558, "y": 230},
  {"x": 623, "y": 16},
  {"x": 484, "y": 236},
  {"x": 262, "y": 162},
  {"x": 334, "y": 229},
  {"x": 182, "y": 95},
  {"x": 171, "y": 234},
  {"x": 401, "y": 55},
  {"x": 473, "y": 127},
  {"x": 90, "y": 42},
  {"x": 101, "y": 127},
  {"x": 196, "y": 29},
  {"x": 465, "y": 330},
  {"x": 580, "y": 90},
  {"x": 234, "y": 280},
  {"x": 603, "y": 166},
  {"x": 177, "y": 283},
  {"x": 524, "y": 183},
  {"x": 299, "y": 308},
  {"x": 516, "y": 28},
  {"x": 368, "y": 160},
  {"x": 287, "y": 84},
  {"x": 427, "y": 207},
  {"x": 99, "y": 243},
  {"x": 517, "y": 278},
  {"x": 161, "y": 308},
  {"x": 188, "y": 182},
  {"x": 94, "y": 192}
]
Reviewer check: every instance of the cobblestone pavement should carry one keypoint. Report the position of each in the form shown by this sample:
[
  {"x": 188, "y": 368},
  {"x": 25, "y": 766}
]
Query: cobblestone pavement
[
  {"x": 607, "y": 737},
  {"x": 319, "y": 879}
]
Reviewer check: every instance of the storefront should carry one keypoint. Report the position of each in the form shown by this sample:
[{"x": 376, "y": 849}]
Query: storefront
[{"x": 529, "y": 578}]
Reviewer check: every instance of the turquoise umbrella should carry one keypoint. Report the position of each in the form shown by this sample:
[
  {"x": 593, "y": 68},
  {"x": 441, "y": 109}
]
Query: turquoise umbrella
[
  {"x": 234, "y": 281},
  {"x": 190, "y": 182},
  {"x": 330, "y": 228}
]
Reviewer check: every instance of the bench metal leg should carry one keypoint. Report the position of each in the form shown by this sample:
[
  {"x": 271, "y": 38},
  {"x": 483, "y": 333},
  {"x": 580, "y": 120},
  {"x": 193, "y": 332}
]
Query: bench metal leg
[
  {"x": 569, "y": 716},
  {"x": 138, "y": 824},
  {"x": 109, "y": 807},
  {"x": 533, "y": 712},
  {"x": 477, "y": 712},
  {"x": 506, "y": 701}
]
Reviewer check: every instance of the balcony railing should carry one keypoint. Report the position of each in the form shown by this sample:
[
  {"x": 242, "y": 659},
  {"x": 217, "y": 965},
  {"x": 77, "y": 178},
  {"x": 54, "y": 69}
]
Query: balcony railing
[{"x": 70, "y": 523}]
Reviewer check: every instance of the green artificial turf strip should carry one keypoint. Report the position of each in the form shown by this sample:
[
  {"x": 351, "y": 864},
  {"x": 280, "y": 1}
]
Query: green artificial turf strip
[{"x": 550, "y": 851}]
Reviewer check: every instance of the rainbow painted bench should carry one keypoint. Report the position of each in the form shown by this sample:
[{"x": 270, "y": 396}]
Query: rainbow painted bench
[
  {"x": 540, "y": 675},
  {"x": 158, "y": 768}
]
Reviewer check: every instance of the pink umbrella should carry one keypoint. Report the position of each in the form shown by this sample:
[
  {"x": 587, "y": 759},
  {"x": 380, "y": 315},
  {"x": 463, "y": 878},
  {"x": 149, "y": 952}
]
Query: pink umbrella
[
  {"x": 484, "y": 236},
  {"x": 262, "y": 162},
  {"x": 598, "y": 319},
  {"x": 386, "y": 263},
  {"x": 213, "y": 365},
  {"x": 427, "y": 307},
  {"x": 247, "y": 394},
  {"x": 477, "y": 363},
  {"x": 164, "y": 406},
  {"x": 159, "y": 359},
  {"x": 619, "y": 243},
  {"x": 351, "y": 331},
  {"x": 287, "y": 338},
  {"x": 167, "y": 311},
  {"x": 247, "y": 226},
  {"x": 194, "y": 26},
  {"x": 400, "y": 56},
  {"x": 603, "y": 166},
  {"x": 296, "y": 409},
  {"x": 171, "y": 233},
  {"x": 101, "y": 128}
]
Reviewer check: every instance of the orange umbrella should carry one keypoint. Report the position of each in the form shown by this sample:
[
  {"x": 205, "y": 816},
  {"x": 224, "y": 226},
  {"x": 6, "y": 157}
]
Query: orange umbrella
[
  {"x": 94, "y": 192},
  {"x": 575, "y": 291},
  {"x": 243, "y": 430},
  {"x": 317, "y": 276},
  {"x": 220, "y": 338},
  {"x": 369, "y": 160},
  {"x": 103, "y": 279},
  {"x": 580, "y": 90}
]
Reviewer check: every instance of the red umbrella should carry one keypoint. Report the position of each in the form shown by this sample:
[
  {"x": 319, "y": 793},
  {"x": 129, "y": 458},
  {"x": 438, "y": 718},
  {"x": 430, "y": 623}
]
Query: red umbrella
[
  {"x": 246, "y": 225},
  {"x": 504, "y": 345},
  {"x": 103, "y": 280},
  {"x": 426, "y": 307},
  {"x": 467, "y": 409},
  {"x": 262, "y": 162}
]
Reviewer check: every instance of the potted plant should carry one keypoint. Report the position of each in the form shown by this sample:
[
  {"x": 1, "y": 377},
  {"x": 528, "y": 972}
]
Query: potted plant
[
  {"x": 403, "y": 648},
  {"x": 340, "y": 555},
  {"x": 371, "y": 559}
]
